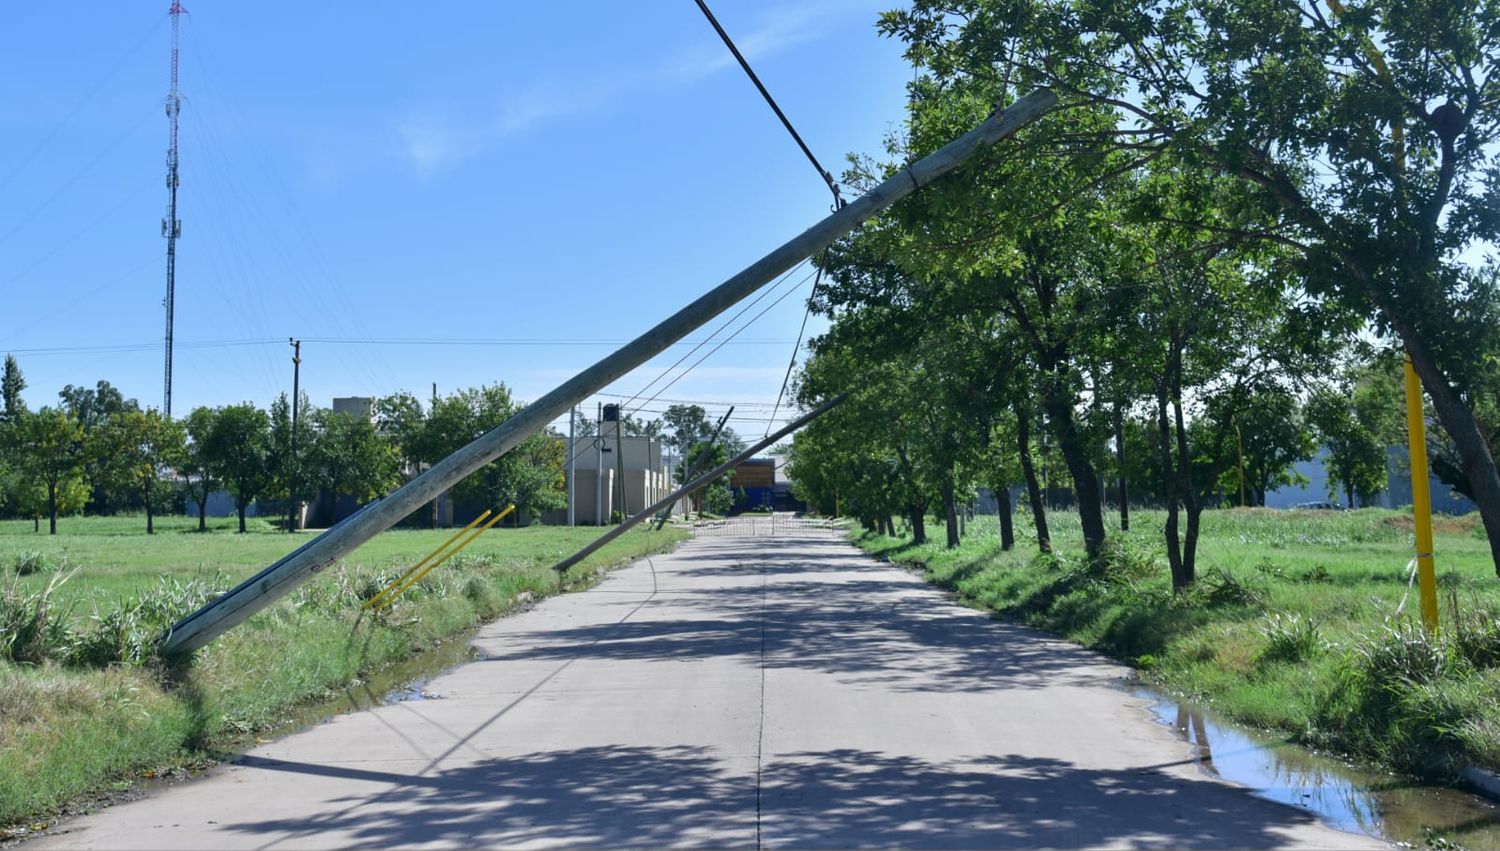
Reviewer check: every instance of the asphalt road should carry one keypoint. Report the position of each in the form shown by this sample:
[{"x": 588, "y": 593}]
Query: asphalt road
[{"x": 741, "y": 692}]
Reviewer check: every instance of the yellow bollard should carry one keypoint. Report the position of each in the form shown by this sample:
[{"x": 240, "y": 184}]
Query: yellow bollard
[{"x": 1421, "y": 499}]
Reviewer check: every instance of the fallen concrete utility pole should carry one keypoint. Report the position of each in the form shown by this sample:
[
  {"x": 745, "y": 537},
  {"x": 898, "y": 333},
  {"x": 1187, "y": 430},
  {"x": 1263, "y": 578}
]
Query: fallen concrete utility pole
[
  {"x": 264, "y": 588},
  {"x": 697, "y": 483}
]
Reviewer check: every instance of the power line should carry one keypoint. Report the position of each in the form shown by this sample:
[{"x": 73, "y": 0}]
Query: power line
[
  {"x": 827, "y": 176},
  {"x": 817, "y": 279}
]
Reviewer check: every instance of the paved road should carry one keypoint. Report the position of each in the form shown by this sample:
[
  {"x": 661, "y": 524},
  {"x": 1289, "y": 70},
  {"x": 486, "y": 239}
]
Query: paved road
[{"x": 742, "y": 692}]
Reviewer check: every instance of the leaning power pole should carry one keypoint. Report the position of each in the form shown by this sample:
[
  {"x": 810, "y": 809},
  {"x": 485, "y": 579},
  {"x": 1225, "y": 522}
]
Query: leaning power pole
[
  {"x": 171, "y": 226},
  {"x": 264, "y": 588}
]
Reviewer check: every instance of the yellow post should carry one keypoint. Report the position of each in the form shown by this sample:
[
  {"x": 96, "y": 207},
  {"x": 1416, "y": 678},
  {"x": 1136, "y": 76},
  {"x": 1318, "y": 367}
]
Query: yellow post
[
  {"x": 405, "y": 586},
  {"x": 1421, "y": 500},
  {"x": 375, "y": 600}
]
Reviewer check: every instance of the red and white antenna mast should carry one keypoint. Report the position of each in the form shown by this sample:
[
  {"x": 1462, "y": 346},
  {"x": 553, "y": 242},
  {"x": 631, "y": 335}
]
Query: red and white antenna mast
[{"x": 171, "y": 226}]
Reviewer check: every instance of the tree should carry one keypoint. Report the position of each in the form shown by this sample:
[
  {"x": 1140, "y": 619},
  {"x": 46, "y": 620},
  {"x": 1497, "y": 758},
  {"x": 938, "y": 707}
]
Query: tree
[
  {"x": 52, "y": 463},
  {"x": 349, "y": 457},
  {"x": 239, "y": 453},
  {"x": 197, "y": 464},
  {"x": 11, "y": 385},
  {"x": 401, "y": 419},
  {"x": 92, "y": 409},
  {"x": 530, "y": 476},
  {"x": 1273, "y": 435},
  {"x": 1355, "y": 458},
  {"x": 134, "y": 448},
  {"x": 1395, "y": 103}
]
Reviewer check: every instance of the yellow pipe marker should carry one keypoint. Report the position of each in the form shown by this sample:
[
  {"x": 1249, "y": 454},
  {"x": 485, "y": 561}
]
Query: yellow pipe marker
[
  {"x": 1416, "y": 425},
  {"x": 430, "y": 556},
  {"x": 1421, "y": 499},
  {"x": 451, "y": 553}
]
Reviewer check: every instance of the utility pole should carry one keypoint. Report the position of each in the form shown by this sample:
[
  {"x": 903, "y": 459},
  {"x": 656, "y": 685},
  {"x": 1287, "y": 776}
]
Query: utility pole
[
  {"x": 700, "y": 481},
  {"x": 619, "y": 454},
  {"x": 171, "y": 226},
  {"x": 599, "y": 463},
  {"x": 291, "y": 511},
  {"x": 572, "y": 456},
  {"x": 280, "y": 578}
]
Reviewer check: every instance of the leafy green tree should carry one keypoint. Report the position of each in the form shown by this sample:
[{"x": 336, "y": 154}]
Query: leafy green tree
[
  {"x": 12, "y": 382},
  {"x": 197, "y": 466},
  {"x": 134, "y": 449},
  {"x": 1359, "y": 141},
  {"x": 92, "y": 409},
  {"x": 1274, "y": 435},
  {"x": 1356, "y": 459},
  {"x": 348, "y": 456},
  {"x": 238, "y": 448},
  {"x": 530, "y": 476},
  {"x": 401, "y": 419},
  {"x": 52, "y": 464}
]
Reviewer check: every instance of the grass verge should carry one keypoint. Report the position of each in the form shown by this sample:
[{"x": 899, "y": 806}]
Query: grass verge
[
  {"x": 84, "y": 706},
  {"x": 1297, "y": 623}
]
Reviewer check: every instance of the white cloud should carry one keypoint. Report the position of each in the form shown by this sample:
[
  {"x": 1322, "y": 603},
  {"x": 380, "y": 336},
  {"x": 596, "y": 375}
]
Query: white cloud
[{"x": 433, "y": 142}]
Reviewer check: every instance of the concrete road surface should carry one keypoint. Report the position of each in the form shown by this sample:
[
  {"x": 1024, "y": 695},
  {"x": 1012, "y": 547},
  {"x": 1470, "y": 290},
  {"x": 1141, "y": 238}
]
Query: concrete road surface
[{"x": 741, "y": 692}]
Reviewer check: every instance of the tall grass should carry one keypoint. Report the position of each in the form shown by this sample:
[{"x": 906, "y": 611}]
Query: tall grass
[{"x": 85, "y": 703}]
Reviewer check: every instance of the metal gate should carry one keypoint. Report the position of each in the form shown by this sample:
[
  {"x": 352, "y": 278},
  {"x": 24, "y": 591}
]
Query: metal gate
[{"x": 766, "y": 525}]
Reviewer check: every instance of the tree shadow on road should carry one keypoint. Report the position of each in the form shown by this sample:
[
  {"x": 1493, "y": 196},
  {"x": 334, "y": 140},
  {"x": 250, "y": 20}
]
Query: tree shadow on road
[{"x": 643, "y": 796}]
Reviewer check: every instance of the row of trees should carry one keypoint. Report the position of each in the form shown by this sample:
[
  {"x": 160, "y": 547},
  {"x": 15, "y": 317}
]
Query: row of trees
[
  {"x": 1236, "y": 221},
  {"x": 101, "y": 452}
]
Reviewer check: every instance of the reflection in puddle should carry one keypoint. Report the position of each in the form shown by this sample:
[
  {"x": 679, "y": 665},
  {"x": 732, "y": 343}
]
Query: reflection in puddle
[{"x": 1359, "y": 800}]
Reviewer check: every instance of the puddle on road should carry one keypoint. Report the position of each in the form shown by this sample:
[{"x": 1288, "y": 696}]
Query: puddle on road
[{"x": 1352, "y": 798}]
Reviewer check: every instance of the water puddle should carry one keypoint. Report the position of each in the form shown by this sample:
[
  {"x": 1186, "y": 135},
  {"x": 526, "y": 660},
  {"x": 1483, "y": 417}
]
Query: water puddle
[
  {"x": 1352, "y": 798},
  {"x": 404, "y": 681}
]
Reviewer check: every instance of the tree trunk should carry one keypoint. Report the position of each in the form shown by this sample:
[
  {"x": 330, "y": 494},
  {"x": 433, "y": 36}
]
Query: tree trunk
[
  {"x": 1169, "y": 487},
  {"x": 240, "y": 509},
  {"x": 1188, "y": 571},
  {"x": 150, "y": 520},
  {"x": 918, "y": 516},
  {"x": 1349, "y": 492},
  {"x": 1458, "y": 420},
  {"x": 1120, "y": 462},
  {"x": 1033, "y": 487},
  {"x": 51, "y": 508},
  {"x": 950, "y": 512},
  {"x": 36, "y": 523},
  {"x": 1085, "y": 480},
  {"x": 1007, "y": 528}
]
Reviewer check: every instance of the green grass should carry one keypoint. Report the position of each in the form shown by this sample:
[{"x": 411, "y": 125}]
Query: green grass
[
  {"x": 1293, "y": 625},
  {"x": 72, "y": 724}
]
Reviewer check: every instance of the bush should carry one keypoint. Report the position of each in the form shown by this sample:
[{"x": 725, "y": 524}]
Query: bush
[
  {"x": 31, "y": 628},
  {"x": 1289, "y": 638},
  {"x": 128, "y": 633},
  {"x": 28, "y": 563},
  {"x": 1222, "y": 588}
]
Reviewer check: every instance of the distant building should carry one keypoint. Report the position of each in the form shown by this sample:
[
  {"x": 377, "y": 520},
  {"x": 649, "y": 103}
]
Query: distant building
[
  {"x": 596, "y": 474},
  {"x": 754, "y": 483},
  {"x": 359, "y": 407},
  {"x": 1397, "y": 492}
]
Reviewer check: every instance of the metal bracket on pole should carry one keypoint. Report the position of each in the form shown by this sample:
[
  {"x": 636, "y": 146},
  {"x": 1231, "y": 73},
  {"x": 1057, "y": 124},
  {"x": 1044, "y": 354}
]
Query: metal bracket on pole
[
  {"x": 266, "y": 587},
  {"x": 699, "y": 482}
]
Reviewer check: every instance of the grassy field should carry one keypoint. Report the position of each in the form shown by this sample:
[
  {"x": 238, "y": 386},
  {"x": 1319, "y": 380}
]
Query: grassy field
[
  {"x": 85, "y": 707},
  {"x": 1297, "y": 623}
]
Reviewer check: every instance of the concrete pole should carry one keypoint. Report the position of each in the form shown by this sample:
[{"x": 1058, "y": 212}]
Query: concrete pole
[
  {"x": 269, "y": 585},
  {"x": 599, "y": 464},
  {"x": 572, "y": 418},
  {"x": 698, "y": 482}
]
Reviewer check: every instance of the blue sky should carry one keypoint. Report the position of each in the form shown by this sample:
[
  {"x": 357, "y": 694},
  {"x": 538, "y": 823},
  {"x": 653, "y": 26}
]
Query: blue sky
[{"x": 411, "y": 172}]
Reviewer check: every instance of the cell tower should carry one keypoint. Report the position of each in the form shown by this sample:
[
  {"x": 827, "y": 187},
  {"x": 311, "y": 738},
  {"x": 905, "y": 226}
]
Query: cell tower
[{"x": 171, "y": 226}]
